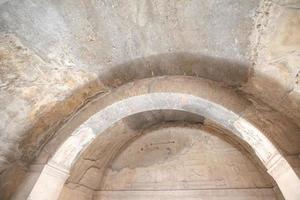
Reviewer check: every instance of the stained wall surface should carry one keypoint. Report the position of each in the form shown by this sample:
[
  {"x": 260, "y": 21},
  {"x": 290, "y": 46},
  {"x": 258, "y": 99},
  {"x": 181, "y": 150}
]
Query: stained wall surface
[
  {"x": 180, "y": 162},
  {"x": 57, "y": 56}
]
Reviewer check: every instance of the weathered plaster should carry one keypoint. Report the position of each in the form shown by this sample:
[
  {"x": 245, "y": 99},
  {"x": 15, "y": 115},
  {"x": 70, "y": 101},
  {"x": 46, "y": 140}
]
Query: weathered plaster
[{"x": 55, "y": 57}]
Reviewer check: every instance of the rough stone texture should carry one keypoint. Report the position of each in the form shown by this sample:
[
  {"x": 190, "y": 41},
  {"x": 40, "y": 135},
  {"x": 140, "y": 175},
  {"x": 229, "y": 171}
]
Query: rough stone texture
[
  {"x": 70, "y": 43},
  {"x": 29, "y": 109},
  {"x": 273, "y": 124},
  {"x": 76, "y": 33},
  {"x": 151, "y": 163},
  {"x": 257, "y": 194},
  {"x": 276, "y": 57},
  {"x": 177, "y": 158},
  {"x": 25, "y": 104},
  {"x": 211, "y": 100},
  {"x": 56, "y": 56}
]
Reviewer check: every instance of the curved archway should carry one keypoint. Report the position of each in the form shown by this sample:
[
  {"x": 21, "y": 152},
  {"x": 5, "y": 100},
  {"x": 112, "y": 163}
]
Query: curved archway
[
  {"x": 213, "y": 104},
  {"x": 166, "y": 157},
  {"x": 169, "y": 170}
]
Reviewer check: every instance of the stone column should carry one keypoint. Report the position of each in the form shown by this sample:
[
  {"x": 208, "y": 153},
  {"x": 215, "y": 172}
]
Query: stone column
[
  {"x": 285, "y": 177},
  {"x": 49, "y": 184}
]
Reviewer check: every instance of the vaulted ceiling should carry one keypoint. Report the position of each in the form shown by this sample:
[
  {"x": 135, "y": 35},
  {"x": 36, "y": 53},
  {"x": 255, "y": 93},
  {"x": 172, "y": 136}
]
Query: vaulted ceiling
[{"x": 82, "y": 67}]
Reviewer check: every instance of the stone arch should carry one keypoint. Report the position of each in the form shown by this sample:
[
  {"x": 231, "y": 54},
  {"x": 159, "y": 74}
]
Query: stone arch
[
  {"x": 89, "y": 175},
  {"x": 218, "y": 104},
  {"x": 226, "y": 72}
]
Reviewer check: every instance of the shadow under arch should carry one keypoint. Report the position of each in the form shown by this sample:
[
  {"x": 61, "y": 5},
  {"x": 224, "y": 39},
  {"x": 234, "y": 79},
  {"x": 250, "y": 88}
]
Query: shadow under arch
[
  {"x": 227, "y": 72},
  {"x": 217, "y": 106},
  {"x": 230, "y": 72},
  {"x": 140, "y": 124}
]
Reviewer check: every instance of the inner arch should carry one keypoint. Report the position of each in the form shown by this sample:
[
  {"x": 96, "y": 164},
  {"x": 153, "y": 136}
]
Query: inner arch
[
  {"x": 182, "y": 160},
  {"x": 79, "y": 140}
]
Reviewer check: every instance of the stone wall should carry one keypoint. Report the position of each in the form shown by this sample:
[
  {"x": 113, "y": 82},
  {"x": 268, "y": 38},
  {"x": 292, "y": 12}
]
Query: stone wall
[
  {"x": 168, "y": 161},
  {"x": 56, "y": 57}
]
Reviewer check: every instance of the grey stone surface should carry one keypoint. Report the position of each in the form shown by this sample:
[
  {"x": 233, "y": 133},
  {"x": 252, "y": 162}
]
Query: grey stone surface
[
  {"x": 216, "y": 105},
  {"x": 57, "y": 56},
  {"x": 68, "y": 44}
]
